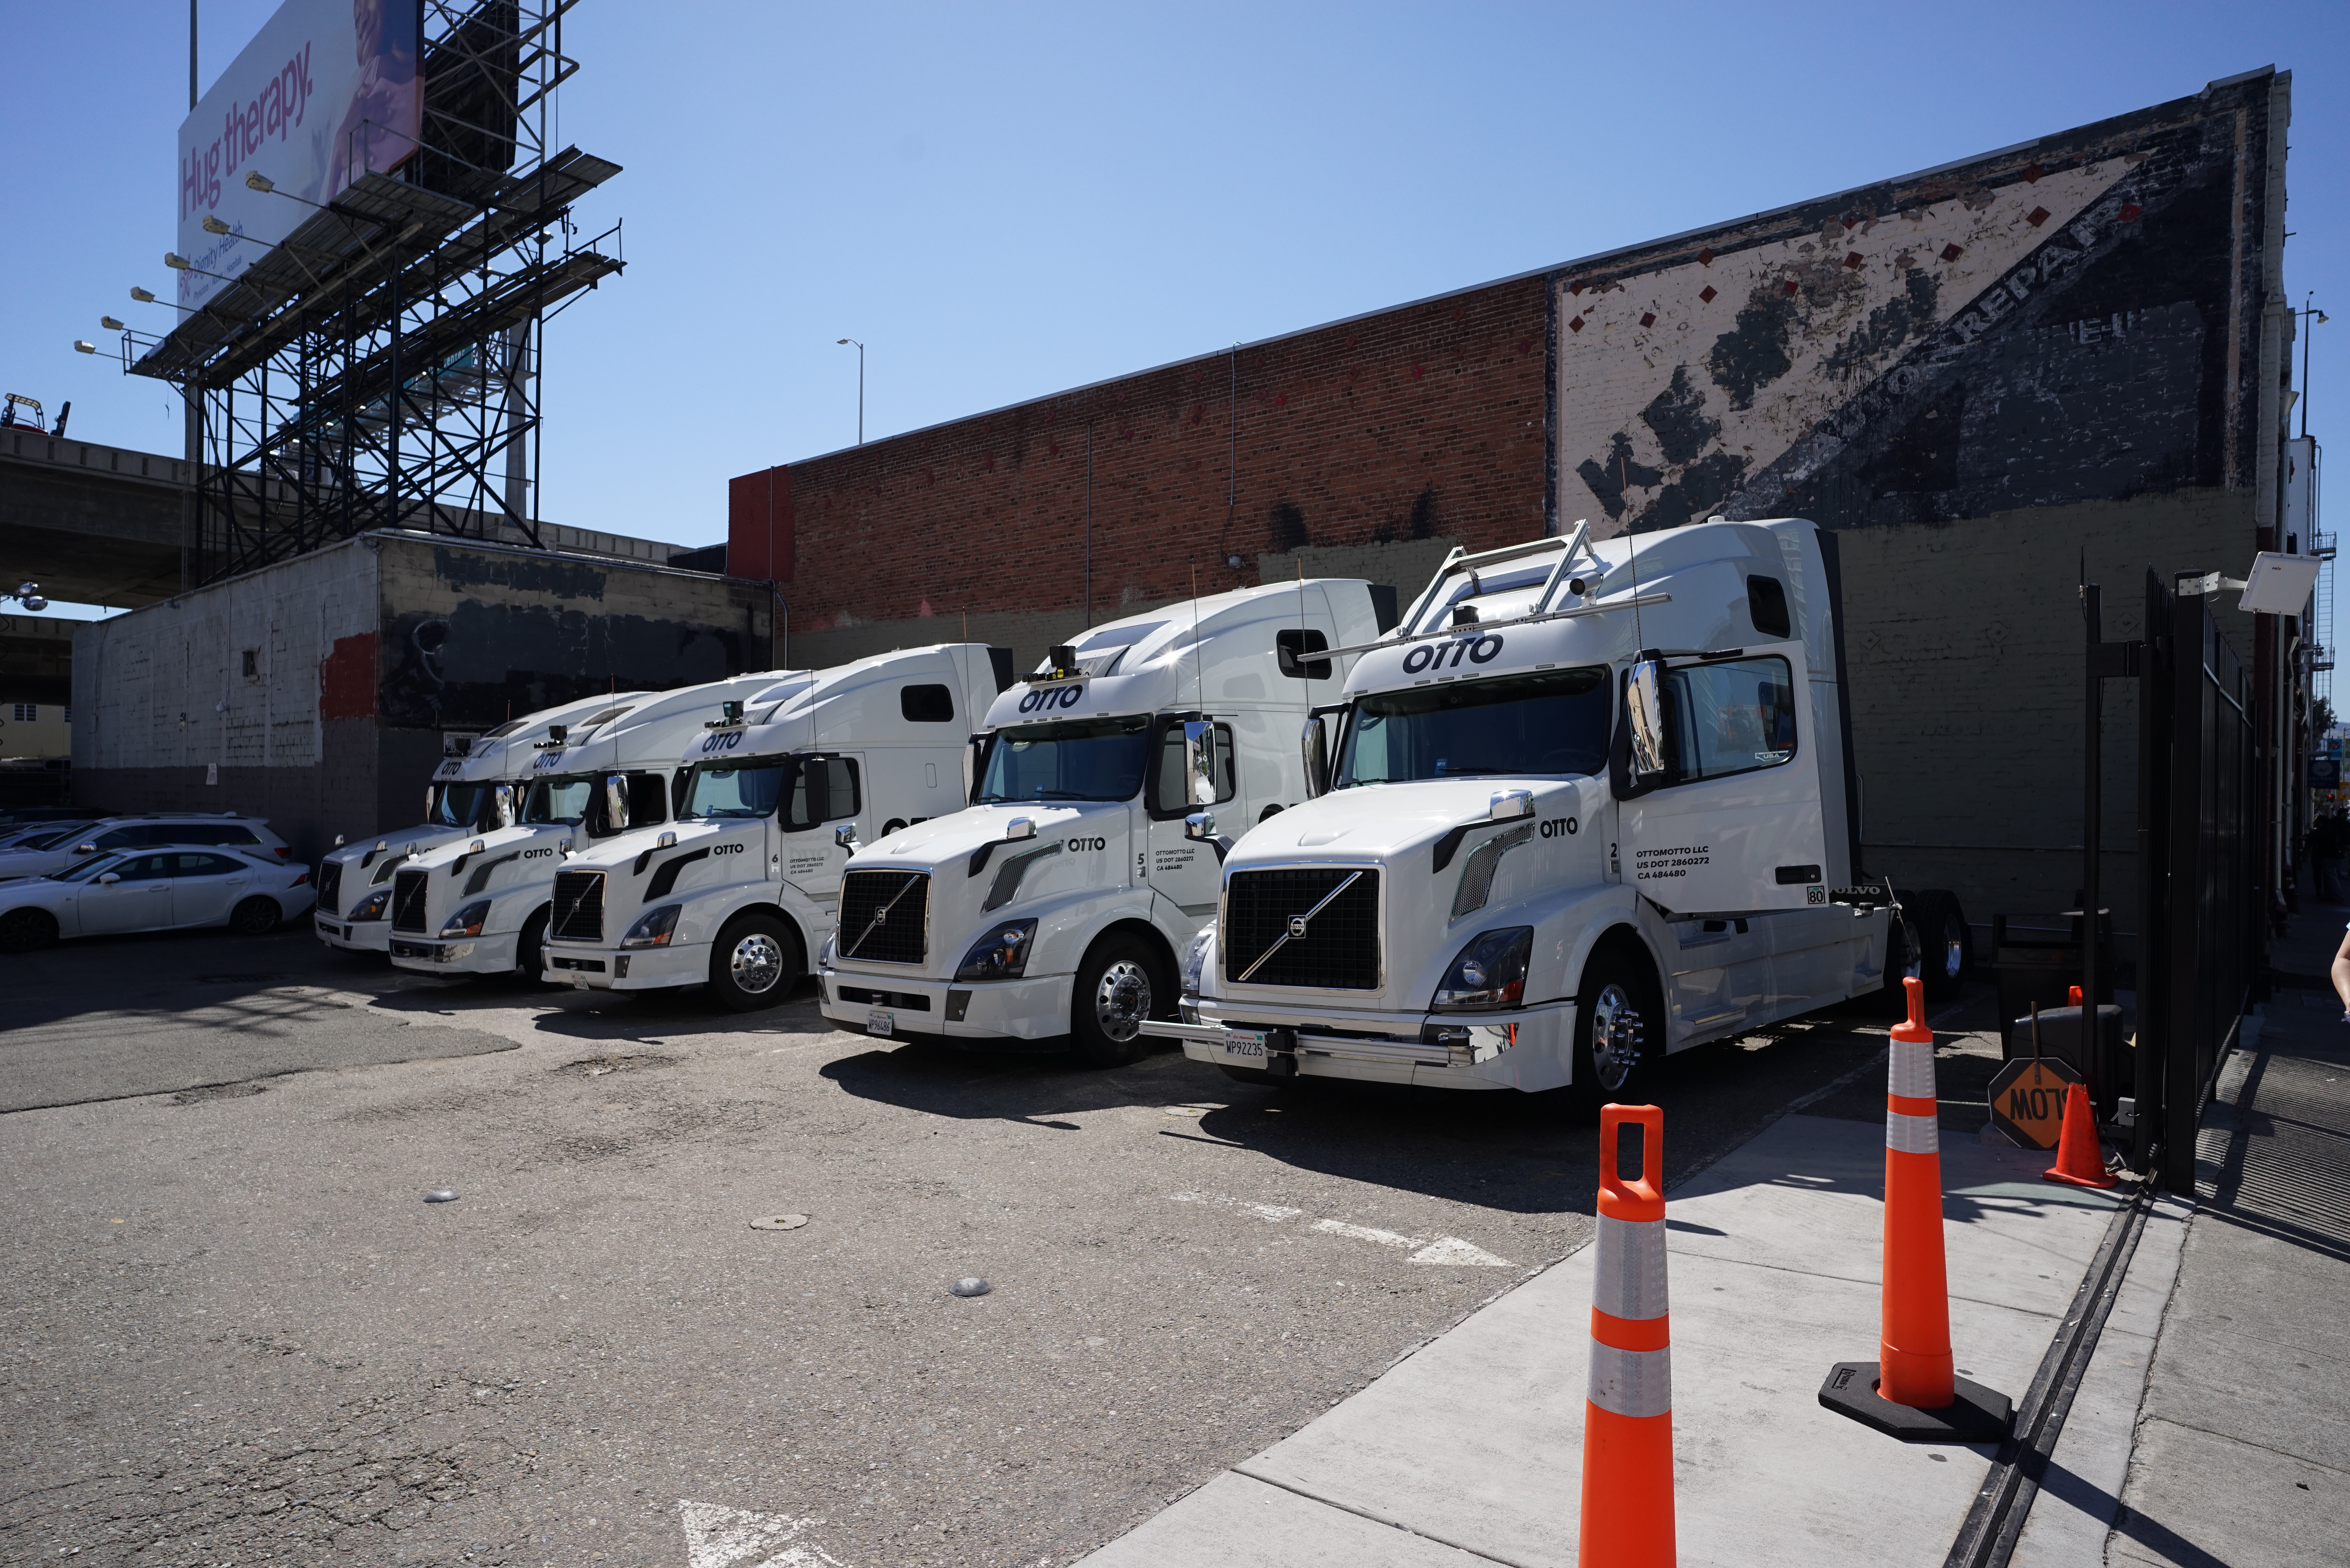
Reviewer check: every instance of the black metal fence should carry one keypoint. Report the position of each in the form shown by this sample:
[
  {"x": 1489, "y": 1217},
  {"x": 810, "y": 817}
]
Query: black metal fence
[{"x": 2200, "y": 915}]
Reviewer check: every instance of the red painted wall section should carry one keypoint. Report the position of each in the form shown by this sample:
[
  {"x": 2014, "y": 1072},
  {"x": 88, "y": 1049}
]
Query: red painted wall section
[
  {"x": 759, "y": 525},
  {"x": 347, "y": 679}
]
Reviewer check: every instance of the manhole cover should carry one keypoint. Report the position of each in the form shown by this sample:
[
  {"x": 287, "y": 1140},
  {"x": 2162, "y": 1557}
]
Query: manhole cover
[{"x": 779, "y": 1222}]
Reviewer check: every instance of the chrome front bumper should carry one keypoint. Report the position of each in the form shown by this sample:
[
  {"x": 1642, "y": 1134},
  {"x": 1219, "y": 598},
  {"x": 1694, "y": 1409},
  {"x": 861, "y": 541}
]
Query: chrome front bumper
[{"x": 1454, "y": 1046}]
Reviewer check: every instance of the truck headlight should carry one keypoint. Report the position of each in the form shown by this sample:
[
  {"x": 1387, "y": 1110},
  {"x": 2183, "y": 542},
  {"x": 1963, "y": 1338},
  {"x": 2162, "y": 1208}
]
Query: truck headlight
[
  {"x": 372, "y": 907},
  {"x": 1490, "y": 972},
  {"x": 825, "y": 954},
  {"x": 653, "y": 928},
  {"x": 467, "y": 921},
  {"x": 1195, "y": 958},
  {"x": 1001, "y": 954}
]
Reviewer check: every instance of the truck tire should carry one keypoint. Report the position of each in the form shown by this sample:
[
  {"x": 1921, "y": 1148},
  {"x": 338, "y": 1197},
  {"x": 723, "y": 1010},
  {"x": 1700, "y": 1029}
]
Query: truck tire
[
  {"x": 530, "y": 949},
  {"x": 754, "y": 962},
  {"x": 1619, "y": 1028},
  {"x": 26, "y": 931},
  {"x": 1118, "y": 985},
  {"x": 257, "y": 917},
  {"x": 1933, "y": 943}
]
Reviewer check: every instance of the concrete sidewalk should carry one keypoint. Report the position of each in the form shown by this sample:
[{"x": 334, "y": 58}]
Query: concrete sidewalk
[
  {"x": 2242, "y": 1452},
  {"x": 1469, "y": 1451}
]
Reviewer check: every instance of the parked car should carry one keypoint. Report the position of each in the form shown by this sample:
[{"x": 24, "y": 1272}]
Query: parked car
[
  {"x": 41, "y": 835},
  {"x": 225, "y": 828},
  {"x": 248, "y": 890}
]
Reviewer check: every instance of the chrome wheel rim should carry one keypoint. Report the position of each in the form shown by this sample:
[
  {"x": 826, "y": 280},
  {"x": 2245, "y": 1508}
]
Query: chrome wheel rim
[
  {"x": 1954, "y": 956},
  {"x": 1913, "y": 951},
  {"x": 1617, "y": 1036},
  {"x": 756, "y": 963},
  {"x": 1122, "y": 1000}
]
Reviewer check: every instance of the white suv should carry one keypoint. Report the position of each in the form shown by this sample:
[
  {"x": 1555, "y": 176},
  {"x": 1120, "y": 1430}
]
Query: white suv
[{"x": 225, "y": 828}]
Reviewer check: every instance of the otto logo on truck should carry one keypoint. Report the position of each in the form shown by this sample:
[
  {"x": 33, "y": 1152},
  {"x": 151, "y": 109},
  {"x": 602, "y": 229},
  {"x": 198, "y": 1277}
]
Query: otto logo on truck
[
  {"x": 1435, "y": 655},
  {"x": 726, "y": 740},
  {"x": 536, "y": 854},
  {"x": 726, "y": 850},
  {"x": 1051, "y": 696},
  {"x": 1078, "y": 845},
  {"x": 1558, "y": 826}
]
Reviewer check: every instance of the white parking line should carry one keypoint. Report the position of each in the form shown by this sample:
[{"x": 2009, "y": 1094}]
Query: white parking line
[
  {"x": 721, "y": 1537},
  {"x": 1450, "y": 1251}
]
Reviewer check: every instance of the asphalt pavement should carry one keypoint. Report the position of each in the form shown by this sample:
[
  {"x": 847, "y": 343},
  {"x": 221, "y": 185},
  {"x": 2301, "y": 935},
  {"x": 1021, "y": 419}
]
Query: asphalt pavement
[{"x": 240, "y": 1333}]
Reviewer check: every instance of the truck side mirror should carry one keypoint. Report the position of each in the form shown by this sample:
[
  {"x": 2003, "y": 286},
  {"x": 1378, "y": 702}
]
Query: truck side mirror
[
  {"x": 1644, "y": 715},
  {"x": 1316, "y": 757},
  {"x": 502, "y": 806},
  {"x": 1200, "y": 761},
  {"x": 1200, "y": 827},
  {"x": 973, "y": 751},
  {"x": 615, "y": 800},
  {"x": 816, "y": 777},
  {"x": 845, "y": 836}
]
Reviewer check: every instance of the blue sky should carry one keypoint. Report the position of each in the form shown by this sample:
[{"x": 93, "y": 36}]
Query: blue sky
[{"x": 1006, "y": 201}]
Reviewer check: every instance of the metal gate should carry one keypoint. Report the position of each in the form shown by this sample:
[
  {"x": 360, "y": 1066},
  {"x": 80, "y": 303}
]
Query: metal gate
[{"x": 2201, "y": 910}]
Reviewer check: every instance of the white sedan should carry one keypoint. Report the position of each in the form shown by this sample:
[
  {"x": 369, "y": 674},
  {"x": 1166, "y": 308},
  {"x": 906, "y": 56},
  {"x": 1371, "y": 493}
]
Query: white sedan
[{"x": 153, "y": 890}]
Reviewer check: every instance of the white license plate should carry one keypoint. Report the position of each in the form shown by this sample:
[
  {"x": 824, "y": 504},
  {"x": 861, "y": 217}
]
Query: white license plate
[
  {"x": 1245, "y": 1043},
  {"x": 879, "y": 1022},
  {"x": 578, "y": 981}
]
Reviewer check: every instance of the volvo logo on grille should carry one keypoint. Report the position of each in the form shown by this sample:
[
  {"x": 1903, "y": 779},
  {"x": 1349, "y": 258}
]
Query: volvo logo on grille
[{"x": 1297, "y": 925}]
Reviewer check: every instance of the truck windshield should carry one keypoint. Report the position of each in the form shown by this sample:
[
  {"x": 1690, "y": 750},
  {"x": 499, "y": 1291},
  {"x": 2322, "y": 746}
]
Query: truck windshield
[
  {"x": 1554, "y": 722},
  {"x": 1084, "y": 759},
  {"x": 563, "y": 800},
  {"x": 737, "y": 792},
  {"x": 460, "y": 805}
]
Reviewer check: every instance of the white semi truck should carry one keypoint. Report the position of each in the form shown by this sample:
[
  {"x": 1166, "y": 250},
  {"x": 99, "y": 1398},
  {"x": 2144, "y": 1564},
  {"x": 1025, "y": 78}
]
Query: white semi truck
[
  {"x": 745, "y": 884},
  {"x": 479, "y": 904},
  {"x": 477, "y": 788},
  {"x": 1054, "y": 905},
  {"x": 1587, "y": 804}
]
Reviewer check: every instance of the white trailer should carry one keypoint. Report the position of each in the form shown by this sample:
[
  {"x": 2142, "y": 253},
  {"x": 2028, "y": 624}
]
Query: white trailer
[
  {"x": 475, "y": 789},
  {"x": 1054, "y": 905},
  {"x": 479, "y": 905},
  {"x": 773, "y": 792},
  {"x": 1586, "y": 806}
]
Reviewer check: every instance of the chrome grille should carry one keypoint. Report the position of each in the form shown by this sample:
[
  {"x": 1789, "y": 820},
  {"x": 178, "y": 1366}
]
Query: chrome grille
[
  {"x": 578, "y": 906},
  {"x": 408, "y": 901},
  {"x": 1339, "y": 949},
  {"x": 884, "y": 916},
  {"x": 330, "y": 886}
]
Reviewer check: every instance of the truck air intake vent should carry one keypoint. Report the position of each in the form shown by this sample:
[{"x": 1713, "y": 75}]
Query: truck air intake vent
[
  {"x": 330, "y": 886},
  {"x": 1278, "y": 924},
  {"x": 579, "y": 914},
  {"x": 884, "y": 916},
  {"x": 408, "y": 901}
]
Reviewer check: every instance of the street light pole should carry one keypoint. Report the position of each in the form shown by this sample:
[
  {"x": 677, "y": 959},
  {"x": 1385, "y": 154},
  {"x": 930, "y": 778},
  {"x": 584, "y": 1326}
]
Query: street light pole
[
  {"x": 2310, "y": 317},
  {"x": 860, "y": 389}
]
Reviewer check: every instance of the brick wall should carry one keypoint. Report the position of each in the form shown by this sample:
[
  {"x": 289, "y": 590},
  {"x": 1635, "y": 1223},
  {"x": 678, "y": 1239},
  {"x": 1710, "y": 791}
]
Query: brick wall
[{"x": 1419, "y": 424}]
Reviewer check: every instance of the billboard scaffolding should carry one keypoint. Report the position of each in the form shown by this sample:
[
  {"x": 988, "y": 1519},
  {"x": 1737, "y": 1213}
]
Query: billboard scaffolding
[{"x": 378, "y": 366}]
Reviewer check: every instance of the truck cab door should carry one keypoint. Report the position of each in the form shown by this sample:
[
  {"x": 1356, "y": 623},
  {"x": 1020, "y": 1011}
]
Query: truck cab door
[
  {"x": 827, "y": 793},
  {"x": 1184, "y": 871},
  {"x": 1722, "y": 813}
]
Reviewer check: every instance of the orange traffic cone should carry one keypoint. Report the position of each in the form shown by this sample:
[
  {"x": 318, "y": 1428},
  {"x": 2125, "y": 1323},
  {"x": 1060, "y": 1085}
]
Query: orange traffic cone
[
  {"x": 2079, "y": 1162},
  {"x": 1911, "y": 1390},
  {"x": 1628, "y": 1416}
]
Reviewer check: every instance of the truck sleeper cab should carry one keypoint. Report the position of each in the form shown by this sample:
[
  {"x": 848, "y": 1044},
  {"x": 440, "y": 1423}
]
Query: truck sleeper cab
[
  {"x": 1584, "y": 809},
  {"x": 1050, "y": 911},
  {"x": 745, "y": 884},
  {"x": 480, "y": 905},
  {"x": 475, "y": 789}
]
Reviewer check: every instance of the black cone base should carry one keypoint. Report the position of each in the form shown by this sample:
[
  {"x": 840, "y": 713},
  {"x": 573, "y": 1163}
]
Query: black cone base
[{"x": 1977, "y": 1416}]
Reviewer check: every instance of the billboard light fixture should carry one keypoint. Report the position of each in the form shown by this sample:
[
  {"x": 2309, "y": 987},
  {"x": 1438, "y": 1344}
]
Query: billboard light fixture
[
  {"x": 175, "y": 261},
  {"x": 142, "y": 295},
  {"x": 213, "y": 225},
  {"x": 257, "y": 180},
  {"x": 110, "y": 324},
  {"x": 84, "y": 345}
]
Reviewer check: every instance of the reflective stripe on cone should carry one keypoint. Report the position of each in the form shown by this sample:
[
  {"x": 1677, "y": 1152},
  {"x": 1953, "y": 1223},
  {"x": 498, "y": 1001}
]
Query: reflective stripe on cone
[{"x": 1627, "y": 1420}]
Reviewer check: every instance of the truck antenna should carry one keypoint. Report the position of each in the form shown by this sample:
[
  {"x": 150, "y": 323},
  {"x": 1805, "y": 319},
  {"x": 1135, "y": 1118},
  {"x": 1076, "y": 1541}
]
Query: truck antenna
[
  {"x": 1199, "y": 675},
  {"x": 1301, "y": 615},
  {"x": 1632, "y": 555}
]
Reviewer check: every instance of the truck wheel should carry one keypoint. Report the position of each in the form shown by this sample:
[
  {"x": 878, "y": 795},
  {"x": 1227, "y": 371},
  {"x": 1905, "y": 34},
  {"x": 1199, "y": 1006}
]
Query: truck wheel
[
  {"x": 1619, "y": 1029},
  {"x": 1118, "y": 986},
  {"x": 530, "y": 949},
  {"x": 754, "y": 962},
  {"x": 255, "y": 917},
  {"x": 1933, "y": 942},
  {"x": 26, "y": 931}
]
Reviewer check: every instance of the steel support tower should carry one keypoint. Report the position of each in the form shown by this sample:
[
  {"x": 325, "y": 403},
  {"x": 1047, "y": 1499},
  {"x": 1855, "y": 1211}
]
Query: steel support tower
[{"x": 379, "y": 368}]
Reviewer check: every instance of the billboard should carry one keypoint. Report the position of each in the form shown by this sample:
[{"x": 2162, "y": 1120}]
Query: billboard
[{"x": 327, "y": 91}]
